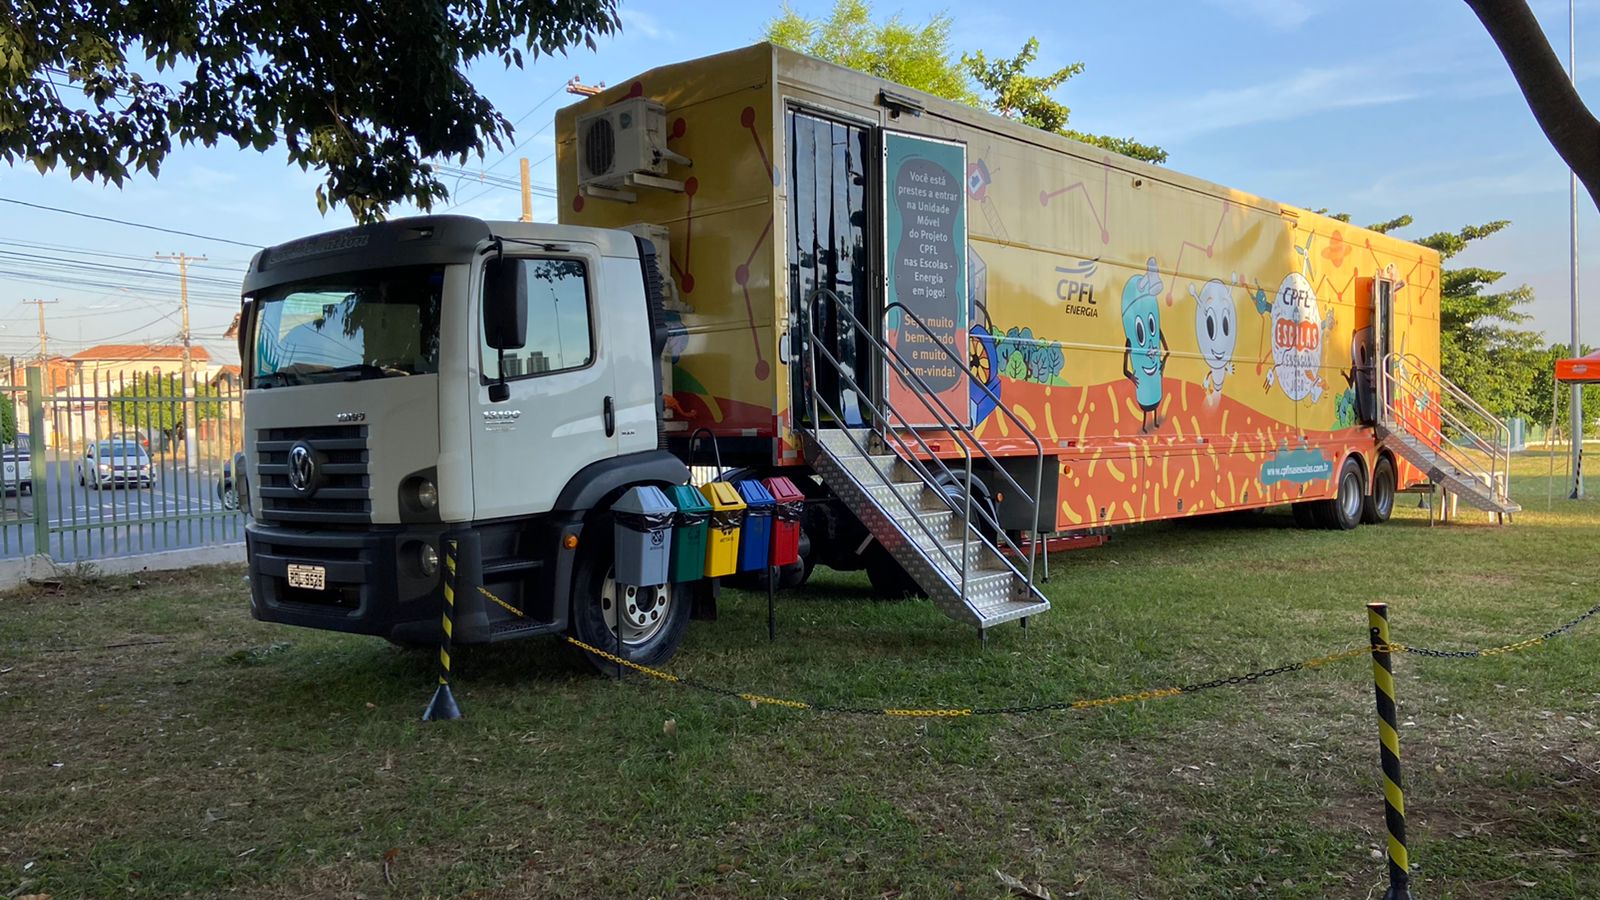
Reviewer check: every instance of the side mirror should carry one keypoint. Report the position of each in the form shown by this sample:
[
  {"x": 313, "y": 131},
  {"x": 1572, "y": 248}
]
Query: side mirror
[{"x": 505, "y": 304}]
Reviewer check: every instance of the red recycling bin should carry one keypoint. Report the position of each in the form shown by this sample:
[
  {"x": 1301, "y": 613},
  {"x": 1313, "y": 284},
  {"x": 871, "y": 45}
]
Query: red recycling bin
[{"x": 790, "y": 506}]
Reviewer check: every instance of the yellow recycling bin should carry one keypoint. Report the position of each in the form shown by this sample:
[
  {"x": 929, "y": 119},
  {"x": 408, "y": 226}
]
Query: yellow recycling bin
[{"x": 722, "y": 539}]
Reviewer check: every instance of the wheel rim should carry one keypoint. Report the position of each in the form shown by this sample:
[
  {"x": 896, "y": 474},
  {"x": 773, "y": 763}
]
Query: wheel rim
[
  {"x": 645, "y": 610},
  {"x": 1350, "y": 495}
]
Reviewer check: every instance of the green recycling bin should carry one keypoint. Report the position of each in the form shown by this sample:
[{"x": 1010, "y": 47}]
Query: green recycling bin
[{"x": 688, "y": 533}]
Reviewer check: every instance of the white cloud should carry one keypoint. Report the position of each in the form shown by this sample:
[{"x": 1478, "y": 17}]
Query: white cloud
[
  {"x": 638, "y": 23},
  {"x": 1415, "y": 190},
  {"x": 1296, "y": 96},
  {"x": 1283, "y": 15}
]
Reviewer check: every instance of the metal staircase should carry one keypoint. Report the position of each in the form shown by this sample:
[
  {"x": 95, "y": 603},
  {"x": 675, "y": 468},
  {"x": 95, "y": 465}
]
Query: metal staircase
[
  {"x": 1433, "y": 424},
  {"x": 913, "y": 502}
]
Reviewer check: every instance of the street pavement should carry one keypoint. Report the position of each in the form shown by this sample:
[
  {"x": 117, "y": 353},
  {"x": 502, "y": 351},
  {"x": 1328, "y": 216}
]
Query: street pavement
[{"x": 181, "y": 509}]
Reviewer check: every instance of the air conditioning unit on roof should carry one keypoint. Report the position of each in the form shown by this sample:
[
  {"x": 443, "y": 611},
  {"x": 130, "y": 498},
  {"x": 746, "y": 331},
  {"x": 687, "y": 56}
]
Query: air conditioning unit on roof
[{"x": 625, "y": 146}]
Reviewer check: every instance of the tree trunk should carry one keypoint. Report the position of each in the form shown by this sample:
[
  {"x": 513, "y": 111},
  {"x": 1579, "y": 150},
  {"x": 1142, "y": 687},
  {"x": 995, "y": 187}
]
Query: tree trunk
[{"x": 1560, "y": 112}]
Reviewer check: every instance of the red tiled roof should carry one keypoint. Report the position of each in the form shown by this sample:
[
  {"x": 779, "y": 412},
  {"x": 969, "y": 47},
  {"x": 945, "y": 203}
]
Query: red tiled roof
[{"x": 139, "y": 352}]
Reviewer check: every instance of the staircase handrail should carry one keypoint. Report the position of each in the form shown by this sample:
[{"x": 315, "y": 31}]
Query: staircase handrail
[
  {"x": 1038, "y": 445},
  {"x": 910, "y": 458},
  {"x": 926, "y": 477},
  {"x": 948, "y": 421},
  {"x": 1407, "y": 373},
  {"x": 964, "y": 429}
]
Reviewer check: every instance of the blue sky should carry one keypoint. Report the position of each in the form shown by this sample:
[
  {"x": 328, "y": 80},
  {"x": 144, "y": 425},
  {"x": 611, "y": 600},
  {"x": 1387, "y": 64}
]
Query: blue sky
[{"x": 1371, "y": 107}]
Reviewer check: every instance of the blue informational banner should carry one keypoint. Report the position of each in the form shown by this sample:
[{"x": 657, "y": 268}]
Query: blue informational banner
[{"x": 925, "y": 255}]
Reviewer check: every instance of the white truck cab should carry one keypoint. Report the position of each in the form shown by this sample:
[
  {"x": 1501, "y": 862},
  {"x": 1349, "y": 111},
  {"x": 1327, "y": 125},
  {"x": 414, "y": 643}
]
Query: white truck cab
[{"x": 444, "y": 380}]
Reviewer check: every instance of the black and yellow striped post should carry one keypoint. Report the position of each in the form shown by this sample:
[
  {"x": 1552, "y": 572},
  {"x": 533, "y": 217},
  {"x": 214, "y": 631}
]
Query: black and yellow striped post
[
  {"x": 1394, "y": 802},
  {"x": 443, "y": 705}
]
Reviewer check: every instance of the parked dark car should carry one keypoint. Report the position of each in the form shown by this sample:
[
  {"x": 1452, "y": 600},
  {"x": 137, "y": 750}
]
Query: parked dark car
[{"x": 16, "y": 461}]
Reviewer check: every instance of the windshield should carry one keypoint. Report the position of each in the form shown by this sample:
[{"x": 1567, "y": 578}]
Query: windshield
[
  {"x": 345, "y": 328},
  {"x": 109, "y": 448}
]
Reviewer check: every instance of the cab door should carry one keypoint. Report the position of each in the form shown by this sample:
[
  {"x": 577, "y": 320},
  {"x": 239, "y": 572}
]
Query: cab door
[{"x": 560, "y": 412}]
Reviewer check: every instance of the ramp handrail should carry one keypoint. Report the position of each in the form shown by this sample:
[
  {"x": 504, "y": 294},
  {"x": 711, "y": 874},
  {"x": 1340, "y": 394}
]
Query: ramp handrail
[
  {"x": 892, "y": 426},
  {"x": 1404, "y": 378}
]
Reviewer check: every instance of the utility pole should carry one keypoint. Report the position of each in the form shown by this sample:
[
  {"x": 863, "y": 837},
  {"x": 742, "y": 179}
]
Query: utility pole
[
  {"x": 1576, "y": 410},
  {"x": 183, "y": 261},
  {"x": 44, "y": 335},
  {"x": 527, "y": 193}
]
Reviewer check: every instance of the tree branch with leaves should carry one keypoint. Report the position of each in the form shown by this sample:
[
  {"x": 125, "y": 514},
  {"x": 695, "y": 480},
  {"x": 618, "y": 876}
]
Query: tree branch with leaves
[{"x": 366, "y": 95}]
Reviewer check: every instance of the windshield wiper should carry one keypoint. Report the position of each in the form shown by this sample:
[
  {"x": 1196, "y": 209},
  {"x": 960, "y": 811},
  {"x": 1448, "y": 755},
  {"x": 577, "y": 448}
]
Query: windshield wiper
[
  {"x": 282, "y": 376},
  {"x": 358, "y": 371}
]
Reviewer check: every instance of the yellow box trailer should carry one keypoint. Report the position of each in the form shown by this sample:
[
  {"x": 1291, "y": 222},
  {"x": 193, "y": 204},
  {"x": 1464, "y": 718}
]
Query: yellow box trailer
[{"x": 896, "y": 275}]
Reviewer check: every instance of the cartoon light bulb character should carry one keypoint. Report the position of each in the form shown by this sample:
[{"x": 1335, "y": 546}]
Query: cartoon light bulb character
[
  {"x": 1215, "y": 330},
  {"x": 1146, "y": 352}
]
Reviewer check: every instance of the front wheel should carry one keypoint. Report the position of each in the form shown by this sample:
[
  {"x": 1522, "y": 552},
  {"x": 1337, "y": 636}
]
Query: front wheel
[
  {"x": 1379, "y": 505},
  {"x": 653, "y": 619}
]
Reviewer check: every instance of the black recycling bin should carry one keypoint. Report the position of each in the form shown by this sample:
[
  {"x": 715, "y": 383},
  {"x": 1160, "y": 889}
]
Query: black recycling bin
[{"x": 643, "y": 531}]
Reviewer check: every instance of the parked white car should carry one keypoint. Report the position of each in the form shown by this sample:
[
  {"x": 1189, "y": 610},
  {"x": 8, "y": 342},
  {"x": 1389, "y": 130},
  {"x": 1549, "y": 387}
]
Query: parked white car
[
  {"x": 112, "y": 463},
  {"x": 17, "y": 465}
]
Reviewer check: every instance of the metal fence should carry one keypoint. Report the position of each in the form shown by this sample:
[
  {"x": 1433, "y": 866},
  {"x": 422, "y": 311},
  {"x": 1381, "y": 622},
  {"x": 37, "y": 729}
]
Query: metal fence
[{"x": 115, "y": 463}]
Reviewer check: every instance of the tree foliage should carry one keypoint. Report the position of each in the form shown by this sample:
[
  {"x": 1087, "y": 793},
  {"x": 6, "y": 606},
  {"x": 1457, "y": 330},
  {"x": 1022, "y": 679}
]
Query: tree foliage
[
  {"x": 365, "y": 94},
  {"x": 1015, "y": 94},
  {"x": 921, "y": 57},
  {"x": 1481, "y": 346},
  {"x": 915, "y": 56},
  {"x": 155, "y": 403},
  {"x": 8, "y": 420}
]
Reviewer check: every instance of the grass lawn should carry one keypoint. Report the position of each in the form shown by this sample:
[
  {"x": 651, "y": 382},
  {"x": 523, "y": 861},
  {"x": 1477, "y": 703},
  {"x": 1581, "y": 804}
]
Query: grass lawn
[{"x": 155, "y": 741}]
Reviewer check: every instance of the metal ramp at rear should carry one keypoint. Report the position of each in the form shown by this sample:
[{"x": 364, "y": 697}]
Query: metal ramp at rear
[
  {"x": 916, "y": 505},
  {"x": 1436, "y": 426}
]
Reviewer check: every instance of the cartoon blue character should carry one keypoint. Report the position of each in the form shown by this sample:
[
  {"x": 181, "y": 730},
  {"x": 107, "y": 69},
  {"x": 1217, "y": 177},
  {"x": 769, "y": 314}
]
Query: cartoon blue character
[{"x": 1146, "y": 353}]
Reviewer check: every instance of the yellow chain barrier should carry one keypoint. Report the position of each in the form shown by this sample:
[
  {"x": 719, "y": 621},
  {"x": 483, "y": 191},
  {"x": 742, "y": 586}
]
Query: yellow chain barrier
[{"x": 1315, "y": 662}]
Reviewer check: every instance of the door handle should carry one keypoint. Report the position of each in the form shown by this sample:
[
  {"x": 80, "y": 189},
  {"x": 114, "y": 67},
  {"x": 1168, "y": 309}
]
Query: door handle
[{"x": 609, "y": 413}]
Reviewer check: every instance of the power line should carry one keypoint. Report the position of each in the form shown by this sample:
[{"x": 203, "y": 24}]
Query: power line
[
  {"x": 72, "y": 212},
  {"x": 85, "y": 251},
  {"x": 57, "y": 262}
]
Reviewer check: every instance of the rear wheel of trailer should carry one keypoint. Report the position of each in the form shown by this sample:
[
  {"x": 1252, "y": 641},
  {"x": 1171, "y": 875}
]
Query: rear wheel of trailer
[{"x": 1379, "y": 505}]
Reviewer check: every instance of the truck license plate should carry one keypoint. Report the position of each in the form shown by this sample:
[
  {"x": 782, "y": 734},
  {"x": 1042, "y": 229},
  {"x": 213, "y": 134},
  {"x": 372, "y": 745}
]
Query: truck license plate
[{"x": 312, "y": 578}]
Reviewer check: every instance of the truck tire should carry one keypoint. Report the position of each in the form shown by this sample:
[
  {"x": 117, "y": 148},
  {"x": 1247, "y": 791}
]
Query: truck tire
[
  {"x": 1343, "y": 512},
  {"x": 1379, "y": 505},
  {"x": 654, "y": 618}
]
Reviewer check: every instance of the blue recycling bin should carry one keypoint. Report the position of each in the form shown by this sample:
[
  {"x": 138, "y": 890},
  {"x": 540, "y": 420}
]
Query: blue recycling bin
[
  {"x": 642, "y": 520},
  {"x": 755, "y": 543}
]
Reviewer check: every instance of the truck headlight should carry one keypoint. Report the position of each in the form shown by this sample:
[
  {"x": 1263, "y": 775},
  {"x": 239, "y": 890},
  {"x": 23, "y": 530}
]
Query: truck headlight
[
  {"x": 105, "y": 469},
  {"x": 427, "y": 494},
  {"x": 428, "y": 559}
]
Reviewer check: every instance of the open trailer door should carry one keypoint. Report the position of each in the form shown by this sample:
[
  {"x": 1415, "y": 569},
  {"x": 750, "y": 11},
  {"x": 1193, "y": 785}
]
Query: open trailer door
[{"x": 833, "y": 222}]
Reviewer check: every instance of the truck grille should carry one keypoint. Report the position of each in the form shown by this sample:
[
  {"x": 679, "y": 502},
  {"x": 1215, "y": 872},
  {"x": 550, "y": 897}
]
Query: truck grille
[{"x": 343, "y": 492}]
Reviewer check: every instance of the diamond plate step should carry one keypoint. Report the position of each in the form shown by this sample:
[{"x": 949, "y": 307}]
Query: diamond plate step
[
  {"x": 918, "y": 529},
  {"x": 1467, "y": 486}
]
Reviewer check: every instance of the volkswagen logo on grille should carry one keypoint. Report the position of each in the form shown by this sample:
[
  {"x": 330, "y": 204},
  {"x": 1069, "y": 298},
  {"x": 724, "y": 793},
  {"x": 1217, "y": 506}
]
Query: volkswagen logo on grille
[{"x": 302, "y": 468}]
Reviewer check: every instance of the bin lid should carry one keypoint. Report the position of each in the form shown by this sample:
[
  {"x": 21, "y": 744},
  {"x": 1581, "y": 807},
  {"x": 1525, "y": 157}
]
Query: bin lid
[
  {"x": 645, "y": 500},
  {"x": 783, "y": 490},
  {"x": 687, "y": 499},
  {"x": 754, "y": 493},
  {"x": 722, "y": 496}
]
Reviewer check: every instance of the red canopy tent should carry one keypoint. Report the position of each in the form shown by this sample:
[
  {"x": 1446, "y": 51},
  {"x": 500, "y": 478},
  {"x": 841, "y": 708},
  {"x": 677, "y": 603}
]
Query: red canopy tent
[
  {"x": 1580, "y": 370},
  {"x": 1577, "y": 370}
]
